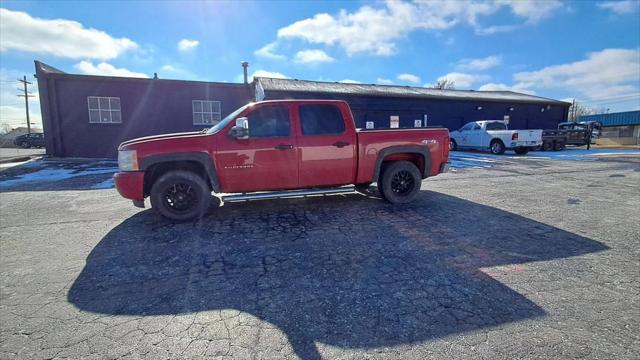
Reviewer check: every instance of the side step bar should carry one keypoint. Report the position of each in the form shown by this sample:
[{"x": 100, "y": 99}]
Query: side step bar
[{"x": 287, "y": 194}]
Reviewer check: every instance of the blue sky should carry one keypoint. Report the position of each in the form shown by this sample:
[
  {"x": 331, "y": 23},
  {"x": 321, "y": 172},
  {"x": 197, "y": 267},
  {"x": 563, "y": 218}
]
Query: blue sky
[{"x": 574, "y": 49}]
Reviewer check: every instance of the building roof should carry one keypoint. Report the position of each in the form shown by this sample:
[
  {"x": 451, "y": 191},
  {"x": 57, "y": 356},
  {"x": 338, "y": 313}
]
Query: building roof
[
  {"x": 52, "y": 72},
  {"x": 614, "y": 119},
  {"x": 294, "y": 85}
]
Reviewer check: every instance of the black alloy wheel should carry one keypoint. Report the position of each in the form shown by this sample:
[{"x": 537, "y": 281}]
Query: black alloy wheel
[
  {"x": 400, "y": 182},
  {"x": 180, "y": 195}
]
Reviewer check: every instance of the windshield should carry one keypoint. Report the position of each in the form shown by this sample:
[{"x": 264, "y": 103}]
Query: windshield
[{"x": 215, "y": 128}]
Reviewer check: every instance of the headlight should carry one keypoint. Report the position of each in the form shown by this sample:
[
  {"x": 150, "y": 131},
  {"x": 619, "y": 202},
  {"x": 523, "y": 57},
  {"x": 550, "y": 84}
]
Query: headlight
[{"x": 127, "y": 160}]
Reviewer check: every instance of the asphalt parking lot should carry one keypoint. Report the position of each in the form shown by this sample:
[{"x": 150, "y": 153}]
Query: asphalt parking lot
[{"x": 529, "y": 257}]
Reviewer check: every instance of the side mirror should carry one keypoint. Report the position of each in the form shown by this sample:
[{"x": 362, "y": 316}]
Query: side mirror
[{"x": 241, "y": 130}]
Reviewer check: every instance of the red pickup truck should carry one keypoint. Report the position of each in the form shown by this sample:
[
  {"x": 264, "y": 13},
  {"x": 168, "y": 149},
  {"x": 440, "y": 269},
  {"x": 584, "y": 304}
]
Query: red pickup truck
[{"x": 274, "y": 149}]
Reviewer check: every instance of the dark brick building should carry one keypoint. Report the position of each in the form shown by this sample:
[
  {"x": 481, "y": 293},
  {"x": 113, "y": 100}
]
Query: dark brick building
[{"x": 88, "y": 116}]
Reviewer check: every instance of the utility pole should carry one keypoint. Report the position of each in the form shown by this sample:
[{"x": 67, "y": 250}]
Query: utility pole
[{"x": 26, "y": 97}]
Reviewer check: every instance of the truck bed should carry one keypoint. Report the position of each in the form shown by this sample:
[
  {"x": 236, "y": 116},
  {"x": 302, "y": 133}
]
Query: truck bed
[{"x": 371, "y": 141}]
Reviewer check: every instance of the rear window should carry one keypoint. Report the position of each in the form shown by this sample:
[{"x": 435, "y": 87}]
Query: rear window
[
  {"x": 496, "y": 126},
  {"x": 321, "y": 119}
]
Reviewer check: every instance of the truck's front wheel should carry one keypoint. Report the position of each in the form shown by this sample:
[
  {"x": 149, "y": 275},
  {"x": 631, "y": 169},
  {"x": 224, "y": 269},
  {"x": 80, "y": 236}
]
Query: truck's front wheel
[
  {"x": 180, "y": 195},
  {"x": 400, "y": 182},
  {"x": 497, "y": 147}
]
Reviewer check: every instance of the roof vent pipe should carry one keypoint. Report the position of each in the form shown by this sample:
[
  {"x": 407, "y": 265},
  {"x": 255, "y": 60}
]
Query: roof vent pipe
[{"x": 245, "y": 65}]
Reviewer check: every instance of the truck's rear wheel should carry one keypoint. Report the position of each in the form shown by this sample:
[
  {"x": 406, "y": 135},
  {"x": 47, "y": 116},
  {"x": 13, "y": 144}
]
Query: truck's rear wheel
[
  {"x": 547, "y": 146},
  {"x": 180, "y": 196},
  {"x": 497, "y": 147},
  {"x": 400, "y": 182},
  {"x": 521, "y": 150},
  {"x": 558, "y": 145}
]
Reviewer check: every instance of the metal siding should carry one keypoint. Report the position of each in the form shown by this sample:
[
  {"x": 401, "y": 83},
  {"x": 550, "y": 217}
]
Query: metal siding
[
  {"x": 614, "y": 119},
  {"x": 451, "y": 114}
]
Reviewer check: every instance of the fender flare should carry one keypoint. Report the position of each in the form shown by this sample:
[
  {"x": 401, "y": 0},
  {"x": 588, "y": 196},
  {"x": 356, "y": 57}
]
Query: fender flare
[
  {"x": 201, "y": 158},
  {"x": 420, "y": 150}
]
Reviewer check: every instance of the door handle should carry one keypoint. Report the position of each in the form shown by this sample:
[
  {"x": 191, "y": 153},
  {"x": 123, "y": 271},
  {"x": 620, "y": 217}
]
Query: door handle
[
  {"x": 340, "y": 144},
  {"x": 284, "y": 147}
]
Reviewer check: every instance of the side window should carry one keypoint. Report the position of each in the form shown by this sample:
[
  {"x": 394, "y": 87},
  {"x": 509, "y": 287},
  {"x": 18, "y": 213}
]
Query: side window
[
  {"x": 206, "y": 112},
  {"x": 321, "y": 119},
  {"x": 104, "y": 109},
  {"x": 467, "y": 126},
  {"x": 476, "y": 127},
  {"x": 269, "y": 121},
  {"x": 496, "y": 126}
]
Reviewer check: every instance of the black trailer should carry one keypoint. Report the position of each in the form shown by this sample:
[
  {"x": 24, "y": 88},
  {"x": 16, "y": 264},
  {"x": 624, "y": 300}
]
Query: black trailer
[
  {"x": 570, "y": 133},
  {"x": 557, "y": 139}
]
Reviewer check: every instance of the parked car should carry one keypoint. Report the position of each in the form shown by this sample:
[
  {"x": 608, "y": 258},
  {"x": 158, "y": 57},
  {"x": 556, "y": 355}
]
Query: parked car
[
  {"x": 33, "y": 140},
  {"x": 276, "y": 149},
  {"x": 493, "y": 135}
]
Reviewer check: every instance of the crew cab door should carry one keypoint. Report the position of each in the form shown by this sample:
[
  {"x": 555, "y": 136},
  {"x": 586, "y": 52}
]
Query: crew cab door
[
  {"x": 475, "y": 136},
  {"x": 327, "y": 143},
  {"x": 462, "y": 136},
  {"x": 267, "y": 160}
]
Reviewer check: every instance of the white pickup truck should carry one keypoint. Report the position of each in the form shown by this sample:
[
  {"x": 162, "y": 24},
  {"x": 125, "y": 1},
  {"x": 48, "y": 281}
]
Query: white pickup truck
[{"x": 494, "y": 135}]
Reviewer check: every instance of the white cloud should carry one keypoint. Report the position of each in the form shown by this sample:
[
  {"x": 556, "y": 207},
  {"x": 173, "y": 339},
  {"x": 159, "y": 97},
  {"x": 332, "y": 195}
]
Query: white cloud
[
  {"x": 384, "y": 81},
  {"x": 490, "y": 30},
  {"x": 620, "y": 7},
  {"x": 169, "y": 71},
  {"x": 375, "y": 30},
  {"x": 312, "y": 57},
  {"x": 479, "y": 64},
  {"x": 504, "y": 87},
  {"x": 12, "y": 107},
  {"x": 270, "y": 74},
  {"x": 349, "y": 81},
  {"x": 409, "y": 78},
  {"x": 58, "y": 37},
  {"x": 532, "y": 10},
  {"x": 268, "y": 52},
  {"x": 187, "y": 44},
  {"x": 106, "y": 69},
  {"x": 15, "y": 116},
  {"x": 608, "y": 75},
  {"x": 463, "y": 80}
]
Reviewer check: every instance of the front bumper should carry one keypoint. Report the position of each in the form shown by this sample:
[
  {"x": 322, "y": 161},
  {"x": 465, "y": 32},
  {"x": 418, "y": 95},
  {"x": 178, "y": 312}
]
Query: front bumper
[{"x": 130, "y": 184}]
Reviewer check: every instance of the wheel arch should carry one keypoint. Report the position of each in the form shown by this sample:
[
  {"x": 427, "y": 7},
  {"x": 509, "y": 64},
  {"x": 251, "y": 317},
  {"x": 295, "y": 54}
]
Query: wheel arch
[
  {"x": 156, "y": 165},
  {"x": 410, "y": 153}
]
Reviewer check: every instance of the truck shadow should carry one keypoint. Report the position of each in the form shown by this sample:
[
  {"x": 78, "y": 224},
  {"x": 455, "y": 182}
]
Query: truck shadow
[{"x": 349, "y": 271}]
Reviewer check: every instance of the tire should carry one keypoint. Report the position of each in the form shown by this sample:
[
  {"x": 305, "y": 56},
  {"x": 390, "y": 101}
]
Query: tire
[
  {"x": 558, "y": 145},
  {"x": 497, "y": 147},
  {"x": 180, "y": 196},
  {"x": 400, "y": 182},
  {"x": 547, "y": 146},
  {"x": 453, "y": 146},
  {"x": 24, "y": 145},
  {"x": 522, "y": 150}
]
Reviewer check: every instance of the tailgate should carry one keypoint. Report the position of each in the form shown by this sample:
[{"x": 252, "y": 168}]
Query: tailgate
[{"x": 529, "y": 135}]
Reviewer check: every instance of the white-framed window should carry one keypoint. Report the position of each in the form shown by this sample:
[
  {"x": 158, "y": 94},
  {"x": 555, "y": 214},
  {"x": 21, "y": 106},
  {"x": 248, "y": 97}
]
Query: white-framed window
[
  {"x": 206, "y": 112},
  {"x": 104, "y": 110}
]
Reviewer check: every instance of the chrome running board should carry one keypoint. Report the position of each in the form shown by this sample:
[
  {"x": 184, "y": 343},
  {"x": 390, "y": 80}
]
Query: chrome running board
[{"x": 287, "y": 194}]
